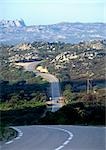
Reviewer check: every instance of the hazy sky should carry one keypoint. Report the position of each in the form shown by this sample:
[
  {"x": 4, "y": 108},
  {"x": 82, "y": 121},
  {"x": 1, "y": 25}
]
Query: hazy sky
[{"x": 53, "y": 11}]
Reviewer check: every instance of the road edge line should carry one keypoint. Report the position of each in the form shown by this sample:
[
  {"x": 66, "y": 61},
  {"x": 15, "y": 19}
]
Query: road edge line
[{"x": 20, "y": 134}]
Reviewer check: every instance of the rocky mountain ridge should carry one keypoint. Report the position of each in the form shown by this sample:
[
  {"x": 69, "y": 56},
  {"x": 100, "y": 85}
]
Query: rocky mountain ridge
[
  {"x": 12, "y": 23},
  {"x": 12, "y": 32}
]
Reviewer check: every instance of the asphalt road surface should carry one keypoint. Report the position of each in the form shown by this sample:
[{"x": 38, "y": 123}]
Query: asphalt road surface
[
  {"x": 31, "y": 65},
  {"x": 61, "y": 137},
  {"x": 55, "y": 89}
]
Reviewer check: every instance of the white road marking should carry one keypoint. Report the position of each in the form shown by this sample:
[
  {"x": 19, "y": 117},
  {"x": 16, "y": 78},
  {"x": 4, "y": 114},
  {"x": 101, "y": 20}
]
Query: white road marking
[
  {"x": 9, "y": 142},
  {"x": 64, "y": 130},
  {"x": 20, "y": 134},
  {"x": 17, "y": 138},
  {"x": 66, "y": 142},
  {"x": 70, "y": 138},
  {"x": 60, "y": 147}
]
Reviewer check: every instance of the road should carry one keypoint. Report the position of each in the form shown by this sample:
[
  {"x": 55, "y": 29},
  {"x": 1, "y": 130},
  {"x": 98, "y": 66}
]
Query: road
[
  {"x": 61, "y": 137},
  {"x": 29, "y": 66},
  {"x": 55, "y": 89}
]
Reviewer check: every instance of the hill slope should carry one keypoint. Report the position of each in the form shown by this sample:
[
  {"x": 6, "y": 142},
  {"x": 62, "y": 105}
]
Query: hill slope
[{"x": 16, "y": 32}]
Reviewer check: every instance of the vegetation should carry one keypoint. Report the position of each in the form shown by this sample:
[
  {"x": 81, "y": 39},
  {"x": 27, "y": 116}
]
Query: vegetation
[
  {"x": 67, "y": 94},
  {"x": 80, "y": 108},
  {"x": 6, "y": 133},
  {"x": 77, "y": 113},
  {"x": 83, "y": 109},
  {"x": 23, "y": 94},
  {"x": 4, "y": 106},
  {"x": 23, "y": 116}
]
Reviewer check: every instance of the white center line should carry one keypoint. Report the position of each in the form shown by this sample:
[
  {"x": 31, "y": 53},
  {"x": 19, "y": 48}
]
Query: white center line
[{"x": 65, "y": 142}]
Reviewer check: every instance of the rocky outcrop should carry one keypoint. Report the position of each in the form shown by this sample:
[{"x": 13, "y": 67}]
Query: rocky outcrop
[
  {"x": 14, "y": 32},
  {"x": 12, "y": 23}
]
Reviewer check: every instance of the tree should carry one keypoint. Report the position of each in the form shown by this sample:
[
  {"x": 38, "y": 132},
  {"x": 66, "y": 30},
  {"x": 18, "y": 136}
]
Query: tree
[{"x": 67, "y": 94}]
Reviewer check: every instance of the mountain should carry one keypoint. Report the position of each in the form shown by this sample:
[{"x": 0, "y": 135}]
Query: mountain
[
  {"x": 16, "y": 31},
  {"x": 11, "y": 23}
]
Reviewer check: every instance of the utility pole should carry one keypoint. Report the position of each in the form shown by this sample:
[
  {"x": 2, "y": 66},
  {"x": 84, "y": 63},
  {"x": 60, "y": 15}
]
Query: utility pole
[
  {"x": 88, "y": 88},
  {"x": 89, "y": 85}
]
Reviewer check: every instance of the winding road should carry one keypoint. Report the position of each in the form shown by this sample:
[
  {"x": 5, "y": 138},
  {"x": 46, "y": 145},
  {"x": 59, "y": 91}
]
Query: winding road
[
  {"x": 55, "y": 89},
  {"x": 56, "y": 137},
  {"x": 61, "y": 137}
]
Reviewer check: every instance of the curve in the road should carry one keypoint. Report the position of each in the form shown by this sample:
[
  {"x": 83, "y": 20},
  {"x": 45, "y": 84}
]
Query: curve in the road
[
  {"x": 66, "y": 141},
  {"x": 58, "y": 138},
  {"x": 68, "y": 137},
  {"x": 20, "y": 134},
  {"x": 55, "y": 88}
]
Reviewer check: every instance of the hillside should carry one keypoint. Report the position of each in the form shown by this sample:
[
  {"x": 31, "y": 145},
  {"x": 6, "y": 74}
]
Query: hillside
[
  {"x": 66, "y": 61},
  {"x": 15, "y": 31},
  {"x": 23, "y": 94},
  {"x": 80, "y": 61}
]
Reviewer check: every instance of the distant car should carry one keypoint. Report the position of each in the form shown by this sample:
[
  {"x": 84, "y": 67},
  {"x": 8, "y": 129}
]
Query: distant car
[{"x": 50, "y": 98}]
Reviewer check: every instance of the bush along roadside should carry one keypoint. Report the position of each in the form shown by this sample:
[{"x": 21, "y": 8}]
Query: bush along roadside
[
  {"x": 7, "y": 133},
  {"x": 76, "y": 114}
]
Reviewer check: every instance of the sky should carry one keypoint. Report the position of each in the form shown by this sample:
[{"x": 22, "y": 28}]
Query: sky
[{"x": 37, "y": 12}]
